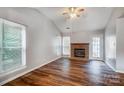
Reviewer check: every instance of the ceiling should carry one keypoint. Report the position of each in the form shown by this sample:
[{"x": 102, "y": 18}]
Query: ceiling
[{"x": 93, "y": 18}]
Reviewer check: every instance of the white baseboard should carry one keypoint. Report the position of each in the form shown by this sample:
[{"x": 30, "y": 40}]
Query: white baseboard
[
  {"x": 111, "y": 66},
  {"x": 120, "y": 71},
  {"x": 12, "y": 71},
  {"x": 66, "y": 56},
  {"x": 21, "y": 74}
]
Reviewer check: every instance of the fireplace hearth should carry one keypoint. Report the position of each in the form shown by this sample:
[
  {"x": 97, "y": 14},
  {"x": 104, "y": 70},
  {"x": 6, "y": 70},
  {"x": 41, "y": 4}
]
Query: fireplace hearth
[{"x": 80, "y": 51}]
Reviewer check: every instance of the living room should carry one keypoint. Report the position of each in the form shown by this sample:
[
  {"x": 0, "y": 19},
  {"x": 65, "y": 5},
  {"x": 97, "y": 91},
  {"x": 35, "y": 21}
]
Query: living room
[{"x": 45, "y": 46}]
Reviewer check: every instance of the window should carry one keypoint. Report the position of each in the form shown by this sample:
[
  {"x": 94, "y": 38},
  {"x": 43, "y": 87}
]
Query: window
[
  {"x": 57, "y": 45},
  {"x": 66, "y": 45},
  {"x": 12, "y": 46},
  {"x": 96, "y": 47}
]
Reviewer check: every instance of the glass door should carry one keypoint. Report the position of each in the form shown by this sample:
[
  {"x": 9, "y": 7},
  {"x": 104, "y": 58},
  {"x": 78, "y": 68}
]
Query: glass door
[
  {"x": 96, "y": 47},
  {"x": 66, "y": 46}
]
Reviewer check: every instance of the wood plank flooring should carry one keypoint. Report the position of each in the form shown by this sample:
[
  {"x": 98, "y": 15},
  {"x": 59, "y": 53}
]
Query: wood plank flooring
[{"x": 65, "y": 72}]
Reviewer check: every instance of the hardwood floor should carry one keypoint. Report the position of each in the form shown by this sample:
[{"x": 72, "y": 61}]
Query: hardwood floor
[{"x": 64, "y": 72}]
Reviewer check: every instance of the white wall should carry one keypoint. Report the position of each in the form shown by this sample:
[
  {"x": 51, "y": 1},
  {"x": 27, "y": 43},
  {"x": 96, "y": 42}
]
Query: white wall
[
  {"x": 120, "y": 45},
  {"x": 42, "y": 38},
  {"x": 110, "y": 38},
  {"x": 86, "y": 37},
  {"x": 110, "y": 35}
]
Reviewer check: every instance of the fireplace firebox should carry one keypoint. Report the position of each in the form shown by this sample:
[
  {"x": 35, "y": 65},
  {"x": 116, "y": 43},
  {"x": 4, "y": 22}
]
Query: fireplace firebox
[{"x": 79, "y": 52}]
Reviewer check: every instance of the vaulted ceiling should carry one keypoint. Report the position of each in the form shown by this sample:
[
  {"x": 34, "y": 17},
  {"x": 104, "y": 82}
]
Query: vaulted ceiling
[{"x": 93, "y": 18}]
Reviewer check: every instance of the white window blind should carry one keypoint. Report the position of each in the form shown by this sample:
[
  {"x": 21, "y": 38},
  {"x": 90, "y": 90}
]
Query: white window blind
[{"x": 12, "y": 45}]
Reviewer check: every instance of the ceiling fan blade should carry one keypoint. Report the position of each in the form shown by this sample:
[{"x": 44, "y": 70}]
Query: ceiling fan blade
[
  {"x": 65, "y": 13},
  {"x": 80, "y": 10},
  {"x": 78, "y": 15}
]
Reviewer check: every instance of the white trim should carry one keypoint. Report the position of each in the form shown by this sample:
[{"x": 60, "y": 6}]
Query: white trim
[
  {"x": 21, "y": 74},
  {"x": 120, "y": 71},
  {"x": 12, "y": 71},
  {"x": 66, "y": 56},
  {"x": 23, "y": 48},
  {"x": 111, "y": 66}
]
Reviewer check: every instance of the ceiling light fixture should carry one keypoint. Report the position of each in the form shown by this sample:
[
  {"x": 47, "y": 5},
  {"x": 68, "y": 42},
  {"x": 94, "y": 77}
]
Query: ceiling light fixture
[{"x": 72, "y": 12}]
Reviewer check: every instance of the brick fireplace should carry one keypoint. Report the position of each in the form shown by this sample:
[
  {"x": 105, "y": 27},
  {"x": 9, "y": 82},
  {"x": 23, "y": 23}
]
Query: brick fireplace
[{"x": 80, "y": 51}]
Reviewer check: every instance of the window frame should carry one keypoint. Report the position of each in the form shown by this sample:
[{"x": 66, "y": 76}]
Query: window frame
[
  {"x": 96, "y": 47},
  {"x": 22, "y": 47},
  {"x": 66, "y": 46}
]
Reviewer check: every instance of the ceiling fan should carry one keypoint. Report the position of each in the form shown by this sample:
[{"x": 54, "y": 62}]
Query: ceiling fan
[{"x": 72, "y": 12}]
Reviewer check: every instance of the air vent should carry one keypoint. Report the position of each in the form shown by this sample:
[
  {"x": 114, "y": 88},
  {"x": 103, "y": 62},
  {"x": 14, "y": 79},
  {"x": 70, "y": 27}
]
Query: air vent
[{"x": 67, "y": 27}]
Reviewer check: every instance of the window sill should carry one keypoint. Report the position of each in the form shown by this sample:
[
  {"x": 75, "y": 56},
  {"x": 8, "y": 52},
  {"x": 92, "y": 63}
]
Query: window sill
[{"x": 12, "y": 70}]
